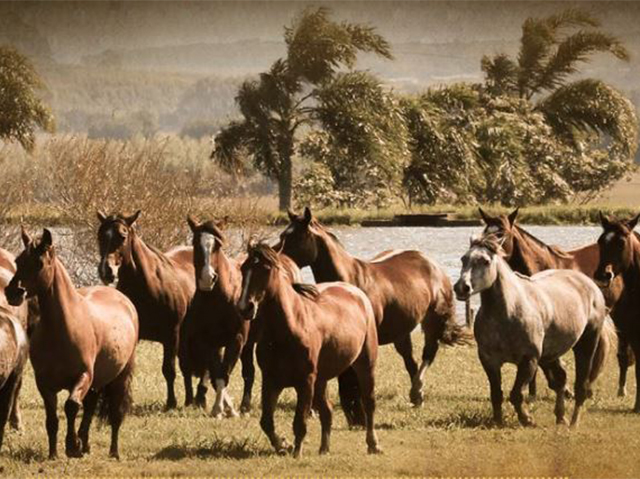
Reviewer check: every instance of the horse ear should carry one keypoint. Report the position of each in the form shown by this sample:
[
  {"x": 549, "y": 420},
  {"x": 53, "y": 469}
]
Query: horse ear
[
  {"x": 26, "y": 239},
  {"x": 192, "y": 223},
  {"x": 46, "y": 241},
  {"x": 292, "y": 215},
  {"x": 133, "y": 218},
  {"x": 604, "y": 220},
  {"x": 101, "y": 216},
  {"x": 484, "y": 216},
  {"x": 633, "y": 222},
  {"x": 473, "y": 238},
  {"x": 307, "y": 215},
  {"x": 512, "y": 217}
]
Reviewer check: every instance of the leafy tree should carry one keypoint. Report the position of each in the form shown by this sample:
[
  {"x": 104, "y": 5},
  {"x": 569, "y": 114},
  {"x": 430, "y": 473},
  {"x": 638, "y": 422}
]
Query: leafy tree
[
  {"x": 21, "y": 110},
  {"x": 294, "y": 93}
]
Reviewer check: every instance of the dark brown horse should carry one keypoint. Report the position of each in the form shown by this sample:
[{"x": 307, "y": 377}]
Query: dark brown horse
[
  {"x": 84, "y": 343},
  {"x": 528, "y": 255},
  {"x": 310, "y": 335},
  {"x": 406, "y": 289},
  {"x": 11, "y": 376},
  {"x": 213, "y": 323},
  {"x": 160, "y": 285},
  {"x": 619, "y": 248}
]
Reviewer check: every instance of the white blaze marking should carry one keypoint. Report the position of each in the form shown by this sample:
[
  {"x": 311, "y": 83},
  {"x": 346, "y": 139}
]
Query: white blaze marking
[
  {"x": 288, "y": 231},
  {"x": 205, "y": 282},
  {"x": 492, "y": 229},
  {"x": 609, "y": 237}
]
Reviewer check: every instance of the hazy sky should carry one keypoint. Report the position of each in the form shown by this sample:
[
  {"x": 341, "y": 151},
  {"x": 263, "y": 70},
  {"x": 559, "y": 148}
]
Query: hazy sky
[{"x": 74, "y": 29}]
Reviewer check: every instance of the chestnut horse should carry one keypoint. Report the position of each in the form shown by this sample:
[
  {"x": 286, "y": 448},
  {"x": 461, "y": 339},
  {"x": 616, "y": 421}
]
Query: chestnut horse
[
  {"x": 160, "y": 285},
  {"x": 12, "y": 347},
  {"x": 528, "y": 255},
  {"x": 84, "y": 343},
  {"x": 213, "y": 323},
  {"x": 619, "y": 248},
  {"x": 310, "y": 335},
  {"x": 534, "y": 320},
  {"x": 406, "y": 289}
]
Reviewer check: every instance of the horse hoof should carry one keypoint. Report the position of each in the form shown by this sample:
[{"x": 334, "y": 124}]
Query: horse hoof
[
  {"x": 374, "y": 450},
  {"x": 568, "y": 394},
  {"x": 622, "y": 392},
  {"x": 74, "y": 453},
  {"x": 323, "y": 451},
  {"x": 114, "y": 455},
  {"x": 561, "y": 422},
  {"x": 216, "y": 412},
  {"x": 417, "y": 398},
  {"x": 231, "y": 413},
  {"x": 171, "y": 405},
  {"x": 531, "y": 398}
]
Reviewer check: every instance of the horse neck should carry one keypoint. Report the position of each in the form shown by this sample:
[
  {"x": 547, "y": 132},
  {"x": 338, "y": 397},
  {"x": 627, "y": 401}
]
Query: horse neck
[
  {"x": 632, "y": 274},
  {"x": 529, "y": 257},
  {"x": 57, "y": 299},
  {"x": 141, "y": 260},
  {"x": 502, "y": 295},
  {"x": 279, "y": 308},
  {"x": 333, "y": 263}
]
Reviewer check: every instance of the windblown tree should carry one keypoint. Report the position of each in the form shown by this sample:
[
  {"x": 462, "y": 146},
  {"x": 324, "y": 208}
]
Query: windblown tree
[
  {"x": 22, "y": 111},
  {"x": 302, "y": 90},
  {"x": 596, "y": 120}
]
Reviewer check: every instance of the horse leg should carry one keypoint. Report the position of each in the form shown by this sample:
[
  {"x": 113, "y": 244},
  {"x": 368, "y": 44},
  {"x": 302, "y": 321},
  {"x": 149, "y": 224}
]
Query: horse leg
[
  {"x": 428, "y": 356},
  {"x": 557, "y": 377},
  {"x": 169, "y": 371},
  {"x": 584, "y": 352},
  {"x": 304, "y": 392},
  {"x": 492, "y": 370},
  {"x": 248, "y": 375},
  {"x": 533, "y": 387},
  {"x": 405, "y": 349},
  {"x": 526, "y": 370},
  {"x": 636, "y": 352},
  {"x": 270, "y": 394},
  {"x": 215, "y": 372},
  {"x": 50, "y": 400},
  {"x": 201, "y": 394},
  {"x": 88, "y": 410},
  {"x": 71, "y": 407},
  {"x": 15, "y": 419},
  {"x": 623, "y": 362},
  {"x": 6, "y": 395},
  {"x": 322, "y": 405},
  {"x": 350, "y": 398},
  {"x": 231, "y": 355}
]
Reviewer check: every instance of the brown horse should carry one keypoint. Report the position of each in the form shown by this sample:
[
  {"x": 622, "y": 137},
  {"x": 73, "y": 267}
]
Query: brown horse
[
  {"x": 160, "y": 285},
  {"x": 406, "y": 289},
  {"x": 213, "y": 323},
  {"x": 528, "y": 255},
  {"x": 11, "y": 376},
  {"x": 619, "y": 251},
  {"x": 310, "y": 335},
  {"x": 84, "y": 343}
]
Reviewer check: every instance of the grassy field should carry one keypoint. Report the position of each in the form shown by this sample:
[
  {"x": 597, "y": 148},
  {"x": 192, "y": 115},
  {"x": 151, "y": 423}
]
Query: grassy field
[{"x": 449, "y": 436}]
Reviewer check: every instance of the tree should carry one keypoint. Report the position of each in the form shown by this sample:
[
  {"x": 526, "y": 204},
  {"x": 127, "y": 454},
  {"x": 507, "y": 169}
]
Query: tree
[
  {"x": 274, "y": 107},
  {"x": 21, "y": 110}
]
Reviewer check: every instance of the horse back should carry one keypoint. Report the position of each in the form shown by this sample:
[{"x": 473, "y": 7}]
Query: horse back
[
  {"x": 7, "y": 261},
  {"x": 403, "y": 286}
]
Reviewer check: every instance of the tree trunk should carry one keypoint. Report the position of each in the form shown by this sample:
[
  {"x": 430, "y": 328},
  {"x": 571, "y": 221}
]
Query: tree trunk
[{"x": 285, "y": 181}]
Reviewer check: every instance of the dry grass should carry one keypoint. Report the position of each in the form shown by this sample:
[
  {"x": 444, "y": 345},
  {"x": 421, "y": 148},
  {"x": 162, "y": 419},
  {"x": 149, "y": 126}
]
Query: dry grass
[{"x": 449, "y": 436}]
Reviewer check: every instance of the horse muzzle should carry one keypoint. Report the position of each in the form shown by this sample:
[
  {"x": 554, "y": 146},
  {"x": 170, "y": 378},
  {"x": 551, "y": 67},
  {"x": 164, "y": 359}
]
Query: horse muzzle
[
  {"x": 15, "y": 295},
  {"x": 248, "y": 311},
  {"x": 462, "y": 289},
  {"x": 106, "y": 273},
  {"x": 207, "y": 281}
]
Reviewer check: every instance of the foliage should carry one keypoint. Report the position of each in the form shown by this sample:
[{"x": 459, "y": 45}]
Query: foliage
[
  {"x": 289, "y": 95},
  {"x": 22, "y": 110}
]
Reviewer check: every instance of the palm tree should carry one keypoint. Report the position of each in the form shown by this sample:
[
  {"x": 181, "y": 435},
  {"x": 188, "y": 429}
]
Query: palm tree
[
  {"x": 289, "y": 95},
  {"x": 586, "y": 114}
]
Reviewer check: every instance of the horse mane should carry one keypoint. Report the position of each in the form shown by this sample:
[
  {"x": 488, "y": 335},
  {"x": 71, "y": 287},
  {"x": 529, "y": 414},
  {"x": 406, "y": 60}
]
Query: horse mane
[
  {"x": 307, "y": 290},
  {"x": 316, "y": 224},
  {"x": 555, "y": 250},
  {"x": 489, "y": 242},
  {"x": 118, "y": 218},
  {"x": 266, "y": 254}
]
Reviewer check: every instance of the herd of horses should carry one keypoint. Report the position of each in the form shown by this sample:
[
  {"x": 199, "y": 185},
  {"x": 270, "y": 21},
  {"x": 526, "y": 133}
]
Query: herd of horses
[{"x": 209, "y": 310}]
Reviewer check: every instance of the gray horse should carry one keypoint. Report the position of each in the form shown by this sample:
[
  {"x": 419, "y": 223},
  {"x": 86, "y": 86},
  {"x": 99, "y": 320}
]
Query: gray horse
[{"x": 531, "y": 321}]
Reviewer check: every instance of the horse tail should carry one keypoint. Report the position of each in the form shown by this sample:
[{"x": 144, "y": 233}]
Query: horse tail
[
  {"x": 115, "y": 398},
  {"x": 451, "y": 331},
  {"x": 607, "y": 344}
]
